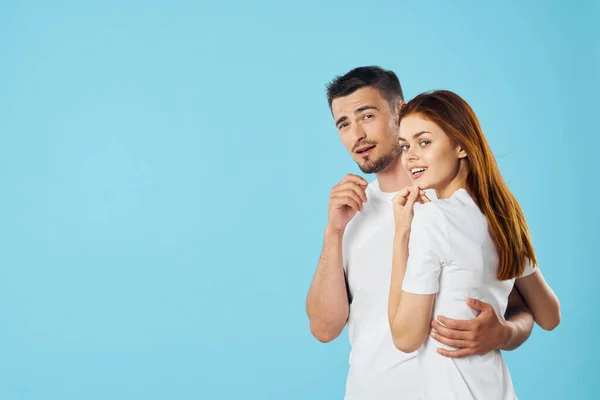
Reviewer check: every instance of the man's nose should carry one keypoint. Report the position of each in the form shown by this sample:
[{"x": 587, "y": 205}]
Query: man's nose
[{"x": 358, "y": 133}]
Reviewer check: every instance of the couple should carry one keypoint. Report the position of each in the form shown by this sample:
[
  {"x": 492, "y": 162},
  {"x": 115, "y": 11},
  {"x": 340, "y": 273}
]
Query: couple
[{"x": 431, "y": 264}]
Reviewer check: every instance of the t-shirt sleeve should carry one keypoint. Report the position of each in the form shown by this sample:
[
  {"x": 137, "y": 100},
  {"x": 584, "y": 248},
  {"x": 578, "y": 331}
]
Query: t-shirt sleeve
[
  {"x": 427, "y": 249},
  {"x": 529, "y": 269}
]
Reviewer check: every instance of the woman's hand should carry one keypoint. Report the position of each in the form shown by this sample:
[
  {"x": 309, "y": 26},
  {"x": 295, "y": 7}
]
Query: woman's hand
[{"x": 403, "y": 204}]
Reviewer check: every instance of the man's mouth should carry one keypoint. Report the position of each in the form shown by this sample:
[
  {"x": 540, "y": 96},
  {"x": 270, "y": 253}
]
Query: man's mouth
[
  {"x": 416, "y": 172},
  {"x": 365, "y": 150}
]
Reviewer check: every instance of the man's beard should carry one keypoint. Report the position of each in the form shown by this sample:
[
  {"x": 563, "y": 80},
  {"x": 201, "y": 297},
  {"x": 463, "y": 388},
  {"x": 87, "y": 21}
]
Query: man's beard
[{"x": 375, "y": 166}]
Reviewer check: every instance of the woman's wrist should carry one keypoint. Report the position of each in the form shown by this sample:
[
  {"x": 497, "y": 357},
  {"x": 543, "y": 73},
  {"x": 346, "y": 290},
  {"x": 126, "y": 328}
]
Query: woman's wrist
[{"x": 403, "y": 230}]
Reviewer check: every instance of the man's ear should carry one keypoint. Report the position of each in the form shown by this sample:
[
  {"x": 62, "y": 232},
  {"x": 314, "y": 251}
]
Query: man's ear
[{"x": 401, "y": 105}]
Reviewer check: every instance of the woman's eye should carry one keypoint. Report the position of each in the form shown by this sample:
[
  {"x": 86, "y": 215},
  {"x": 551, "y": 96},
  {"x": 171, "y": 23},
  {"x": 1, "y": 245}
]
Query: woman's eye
[
  {"x": 424, "y": 143},
  {"x": 404, "y": 147}
]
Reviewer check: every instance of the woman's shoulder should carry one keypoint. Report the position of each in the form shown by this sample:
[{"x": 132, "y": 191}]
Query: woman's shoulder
[
  {"x": 429, "y": 228},
  {"x": 459, "y": 203},
  {"x": 430, "y": 214}
]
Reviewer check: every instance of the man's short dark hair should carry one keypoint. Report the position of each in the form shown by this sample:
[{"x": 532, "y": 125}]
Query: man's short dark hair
[{"x": 385, "y": 81}]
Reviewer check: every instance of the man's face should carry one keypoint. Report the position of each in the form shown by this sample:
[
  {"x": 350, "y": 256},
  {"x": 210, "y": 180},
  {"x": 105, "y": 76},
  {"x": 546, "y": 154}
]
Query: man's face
[{"x": 368, "y": 128}]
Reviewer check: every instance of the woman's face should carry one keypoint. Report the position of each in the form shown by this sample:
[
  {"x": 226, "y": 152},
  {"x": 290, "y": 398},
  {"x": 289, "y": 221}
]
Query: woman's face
[{"x": 431, "y": 159}]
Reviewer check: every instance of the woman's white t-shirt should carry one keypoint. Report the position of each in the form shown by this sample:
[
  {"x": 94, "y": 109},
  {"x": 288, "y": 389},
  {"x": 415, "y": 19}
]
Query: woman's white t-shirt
[{"x": 452, "y": 254}]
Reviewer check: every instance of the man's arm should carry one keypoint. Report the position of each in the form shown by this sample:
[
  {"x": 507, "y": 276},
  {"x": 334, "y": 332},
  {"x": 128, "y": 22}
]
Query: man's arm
[
  {"x": 327, "y": 301},
  {"x": 519, "y": 319},
  {"x": 541, "y": 300},
  {"x": 488, "y": 331}
]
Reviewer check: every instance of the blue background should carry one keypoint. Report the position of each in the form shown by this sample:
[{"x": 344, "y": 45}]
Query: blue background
[{"x": 165, "y": 171}]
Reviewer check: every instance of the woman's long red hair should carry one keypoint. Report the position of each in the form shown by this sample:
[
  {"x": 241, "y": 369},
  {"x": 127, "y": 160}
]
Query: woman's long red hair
[{"x": 505, "y": 218}]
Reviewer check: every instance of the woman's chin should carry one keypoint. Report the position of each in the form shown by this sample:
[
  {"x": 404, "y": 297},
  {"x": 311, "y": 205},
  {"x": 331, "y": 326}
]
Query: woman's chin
[{"x": 422, "y": 184}]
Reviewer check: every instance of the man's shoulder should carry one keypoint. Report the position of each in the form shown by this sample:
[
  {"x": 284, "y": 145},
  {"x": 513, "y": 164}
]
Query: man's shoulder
[{"x": 373, "y": 186}]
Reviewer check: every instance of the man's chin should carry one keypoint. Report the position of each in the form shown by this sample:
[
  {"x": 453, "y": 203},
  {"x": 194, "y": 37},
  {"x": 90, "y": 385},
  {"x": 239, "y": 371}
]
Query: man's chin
[
  {"x": 365, "y": 169},
  {"x": 373, "y": 167},
  {"x": 369, "y": 169}
]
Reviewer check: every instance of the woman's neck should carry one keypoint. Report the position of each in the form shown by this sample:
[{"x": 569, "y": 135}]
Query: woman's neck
[{"x": 458, "y": 182}]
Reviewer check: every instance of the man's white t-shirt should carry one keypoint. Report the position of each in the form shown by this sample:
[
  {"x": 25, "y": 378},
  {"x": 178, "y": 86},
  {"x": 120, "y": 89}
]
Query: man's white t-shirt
[
  {"x": 378, "y": 370},
  {"x": 452, "y": 255}
]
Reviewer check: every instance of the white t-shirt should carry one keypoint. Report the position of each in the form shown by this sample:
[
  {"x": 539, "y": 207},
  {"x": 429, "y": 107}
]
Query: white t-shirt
[
  {"x": 452, "y": 254},
  {"x": 378, "y": 370}
]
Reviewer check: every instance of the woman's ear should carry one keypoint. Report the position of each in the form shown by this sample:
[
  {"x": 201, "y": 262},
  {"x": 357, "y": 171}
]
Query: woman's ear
[{"x": 461, "y": 152}]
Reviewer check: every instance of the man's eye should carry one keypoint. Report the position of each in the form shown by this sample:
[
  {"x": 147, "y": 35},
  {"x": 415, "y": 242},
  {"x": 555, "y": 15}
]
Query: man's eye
[
  {"x": 343, "y": 125},
  {"x": 368, "y": 116}
]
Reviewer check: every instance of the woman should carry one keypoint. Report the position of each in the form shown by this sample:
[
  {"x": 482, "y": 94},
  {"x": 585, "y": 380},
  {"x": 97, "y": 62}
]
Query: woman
[{"x": 471, "y": 242}]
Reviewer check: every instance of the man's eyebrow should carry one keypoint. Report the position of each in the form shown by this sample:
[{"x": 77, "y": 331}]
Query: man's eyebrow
[
  {"x": 356, "y": 112},
  {"x": 342, "y": 119},
  {"x": 416, "y": 135},
  {"x": 364, "y": 108}
]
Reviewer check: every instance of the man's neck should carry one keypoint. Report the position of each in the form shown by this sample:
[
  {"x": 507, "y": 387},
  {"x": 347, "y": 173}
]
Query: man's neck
[{"x": 394, "y": 178}]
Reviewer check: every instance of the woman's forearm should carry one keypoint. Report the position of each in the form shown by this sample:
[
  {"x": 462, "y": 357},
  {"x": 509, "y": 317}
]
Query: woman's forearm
[{"x": 399, "y": 259}]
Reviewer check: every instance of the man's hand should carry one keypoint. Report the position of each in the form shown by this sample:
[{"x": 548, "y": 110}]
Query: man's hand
[
  {"x": 345, "y": 200},
  {"x": 479, "y": 336}
]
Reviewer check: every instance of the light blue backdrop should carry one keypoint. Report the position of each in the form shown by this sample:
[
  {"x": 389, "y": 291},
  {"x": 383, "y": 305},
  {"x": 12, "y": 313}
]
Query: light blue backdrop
[{"x": 165, "y": 170}]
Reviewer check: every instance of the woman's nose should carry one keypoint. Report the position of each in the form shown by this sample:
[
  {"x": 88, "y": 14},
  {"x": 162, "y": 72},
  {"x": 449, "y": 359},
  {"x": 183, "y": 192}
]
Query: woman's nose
[{"x": 412, "y": 154}]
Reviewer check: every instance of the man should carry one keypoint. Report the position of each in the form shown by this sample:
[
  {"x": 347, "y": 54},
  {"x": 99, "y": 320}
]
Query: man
[{"x": 352, "y": 280}]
